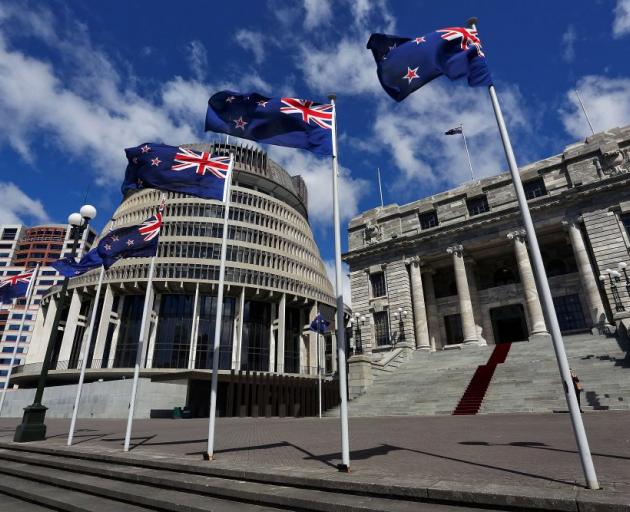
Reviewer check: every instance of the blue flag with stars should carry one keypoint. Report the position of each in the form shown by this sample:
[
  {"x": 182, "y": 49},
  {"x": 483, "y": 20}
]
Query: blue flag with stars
[
  {"x": 68, "y": 267},
  {"x": 319, "y": 324},
  {"x": 15, "y": 286},
  {"x": 405, "y": 64},
  {"x": 290, "y": 122},
  {"x": 178, "y": 169},
  {"x": 131, "y": 241}
]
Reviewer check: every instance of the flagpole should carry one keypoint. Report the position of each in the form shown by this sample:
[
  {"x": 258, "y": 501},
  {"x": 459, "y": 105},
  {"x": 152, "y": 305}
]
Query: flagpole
[
  {"x": 86, "y": 351},
  {"x": 319, "y": 375},
  {"x": 472, "y": 174},
  {"x": 219, "y": 316},
  {"x": 584, "y": 110},
  {"x": 29, "y": 297},
  {"x": 341, "y": 338},
  {"x": 139, "y": 354},
  {"x": 380, "y": 187},
  {"x": 545, "y": 293}
]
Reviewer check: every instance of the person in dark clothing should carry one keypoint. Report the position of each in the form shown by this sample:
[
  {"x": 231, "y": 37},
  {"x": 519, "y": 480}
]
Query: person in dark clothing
[{"x": 577, "y": 387}]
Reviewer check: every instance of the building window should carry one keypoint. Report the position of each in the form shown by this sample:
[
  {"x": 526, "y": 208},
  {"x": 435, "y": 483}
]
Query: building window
[
  {"x": 535, "y": 188},
  {"x": 172, "y": 340},
  {"x": 9, "y": 350},
  {"x": 205, "y": 332},
  {"x": 625, "y": 219},
  {"x": 454, "y": 333},
  {"x": 377, "y": 280},
  {"x": 9, "y": 234},
  {"x": 569, "y": 312},
  {"x": 381, "y": 328},
  {"x": 130, "y": 319},
  {"x": 477, "y": 205},
  {"x": 428, "y": 220}
]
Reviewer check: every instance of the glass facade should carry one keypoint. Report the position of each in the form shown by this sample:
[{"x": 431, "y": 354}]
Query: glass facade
[
  {"x": 205, "y": 335},
  {"x": 174, "y": 329},
  {"x": 130, "y": 320},
  {"x": 293, "y": 340},
  {"x": 256, "y": 335}
]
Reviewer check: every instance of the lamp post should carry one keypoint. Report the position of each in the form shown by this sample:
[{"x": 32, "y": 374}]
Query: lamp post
[
  {"x": 400, "y": 315},
  {"x": 615, "y": 277},
  {"x": 33, "y": 427},
  {"x": 357, "y": 322}
]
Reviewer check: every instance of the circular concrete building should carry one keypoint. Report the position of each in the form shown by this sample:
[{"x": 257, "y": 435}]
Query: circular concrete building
[{"x": 275, "y": 282}]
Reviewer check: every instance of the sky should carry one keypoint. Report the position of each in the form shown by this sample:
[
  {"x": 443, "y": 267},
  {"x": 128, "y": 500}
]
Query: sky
[{"x": 80, "y": 81}]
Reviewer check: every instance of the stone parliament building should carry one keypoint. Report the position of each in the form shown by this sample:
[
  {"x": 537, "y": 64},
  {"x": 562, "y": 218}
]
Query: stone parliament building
[{"x": 453, "y": 269}]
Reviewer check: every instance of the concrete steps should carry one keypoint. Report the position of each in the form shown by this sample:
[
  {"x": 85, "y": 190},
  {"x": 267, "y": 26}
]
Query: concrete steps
[
  {"x": 69, "y": 480},
  {"x": 528, "y": 380}
]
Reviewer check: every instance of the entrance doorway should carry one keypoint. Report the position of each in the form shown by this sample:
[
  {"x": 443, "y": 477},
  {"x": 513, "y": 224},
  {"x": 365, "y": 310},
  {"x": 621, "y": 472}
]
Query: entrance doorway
[{"x": 508, "y": 324}]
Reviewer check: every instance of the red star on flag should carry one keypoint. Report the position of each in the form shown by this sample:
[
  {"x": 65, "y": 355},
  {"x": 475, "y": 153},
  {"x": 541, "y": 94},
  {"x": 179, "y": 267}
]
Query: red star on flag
[
  {"x": 419, "y": 40},
  {"x": 145, "y": 148},
  {"x": 230, "y": 99},
  {"x": 156, "y": 161},
  {"x": 411, "y": 74},
  {"x": 239, "y": 123},
  {"x": 262, "y": 103}
]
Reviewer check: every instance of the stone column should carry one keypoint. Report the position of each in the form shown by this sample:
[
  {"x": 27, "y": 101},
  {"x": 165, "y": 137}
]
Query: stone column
[
  {"x": 237, "y": 344},
  {"x": 421, "y": 325},
  {"x": 532, "y": 301},
  {"x": 597, "y": 314},
  {"x": 70, "y": 328},
  {"x": 192, "y": 353},
  {"x": 433, "y": 320},
  {"x": 282, "y": 306},
  {"x": 103, "y": 324},
  {"x": 463, "y": 292}
]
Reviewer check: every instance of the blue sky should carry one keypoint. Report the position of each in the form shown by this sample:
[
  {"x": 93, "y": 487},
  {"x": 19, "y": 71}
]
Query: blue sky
[{"x": 80, "y": 81}]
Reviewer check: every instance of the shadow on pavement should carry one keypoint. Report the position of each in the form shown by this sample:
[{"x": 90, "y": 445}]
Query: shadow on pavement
[
  {"x": 132, "y": 445},
  {"x": 540, "y": 446}
]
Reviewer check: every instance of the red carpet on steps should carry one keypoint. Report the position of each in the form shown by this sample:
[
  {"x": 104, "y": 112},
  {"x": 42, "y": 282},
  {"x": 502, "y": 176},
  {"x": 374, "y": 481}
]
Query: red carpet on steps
[{"x": 478, "y": 385}]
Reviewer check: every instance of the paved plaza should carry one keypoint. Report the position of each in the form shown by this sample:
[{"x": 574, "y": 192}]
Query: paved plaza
[{"x": 510, "y": 453}]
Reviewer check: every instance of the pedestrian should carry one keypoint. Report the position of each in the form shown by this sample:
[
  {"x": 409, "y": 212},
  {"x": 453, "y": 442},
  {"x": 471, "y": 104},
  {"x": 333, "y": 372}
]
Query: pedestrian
[{"x": 577, "y": 387}]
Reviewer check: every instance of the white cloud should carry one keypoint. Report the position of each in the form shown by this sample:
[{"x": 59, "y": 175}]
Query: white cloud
[
  {"x": 569, "y": 39},
  {"x": 197, "y": 57},
  {"x": 621, "y": 23},
  {"x": 607, "y": 102},
  {"x": 253, "y": 42},
  {"x": 330, "y": 270},
  {"x": 413, "y": 133},
  {"x": 18, "y": 208},
  {"x": 318, "y": 12},
  {"x": 316, "y": 172}
]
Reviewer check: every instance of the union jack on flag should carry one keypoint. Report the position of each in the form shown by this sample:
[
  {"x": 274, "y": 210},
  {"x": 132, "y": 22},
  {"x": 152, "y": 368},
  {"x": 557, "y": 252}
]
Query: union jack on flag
[
  {"x": 468, "y": 37},
  {"x": 201, "y": 162},
  {"x": 320, "y": 114},
  {"x": 150, "y": 228},
  {"x": 13, "y": 287}
]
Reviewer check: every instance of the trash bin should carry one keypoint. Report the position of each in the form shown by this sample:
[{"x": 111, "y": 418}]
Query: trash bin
[{"x": 177, "y": 413}]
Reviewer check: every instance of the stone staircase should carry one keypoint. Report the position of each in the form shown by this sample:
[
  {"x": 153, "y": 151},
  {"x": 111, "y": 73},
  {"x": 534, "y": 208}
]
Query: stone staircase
[{"x": 528, "y": 381}]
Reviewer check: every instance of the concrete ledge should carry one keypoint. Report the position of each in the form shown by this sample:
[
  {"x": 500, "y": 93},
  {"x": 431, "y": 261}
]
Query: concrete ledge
[{"x": 483, "y": 494}]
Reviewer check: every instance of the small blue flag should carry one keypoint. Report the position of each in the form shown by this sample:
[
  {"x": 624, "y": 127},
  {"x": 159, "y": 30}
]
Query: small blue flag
[
  {"x": 405, "y": 64},
  {"x": 176, "y": 169},
  {"x": 319, "y": 325},
  {"x": 14, "y": 287},
  {"x": 132, "y": 241},
  {"x": 290, "y": 122},
  {"x": 70, "y": 268}
]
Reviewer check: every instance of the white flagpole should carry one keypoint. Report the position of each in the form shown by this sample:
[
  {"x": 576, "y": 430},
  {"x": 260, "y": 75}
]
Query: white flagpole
[
  {"x": 472, "y": 174},
  {"x": 545, "y": 293},
  {"x": 139, "y": 354},
  {"x": 319, "y": 375},
  {"x": 85, "y": 352},
  {"x": 584, "y": 110},
  {"x": 380, "y": 187},
  {"x": 341, "y": 335},
  {"x": 29, "y": 297},
  {"x": 219, "y": 317}
]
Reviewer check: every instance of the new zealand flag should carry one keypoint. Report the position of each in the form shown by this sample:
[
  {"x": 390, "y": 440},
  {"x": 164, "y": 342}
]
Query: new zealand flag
[
  {"x": 290, "y": 122},
  {"x": 71, "y": 268},
  {"x": 14, "y": 287},
  {"x": 319, "y": 325},
  {"x": 177, "y": 169},
  {"x": 405, "y": 64},
  {"x": 131, "y": 242}
]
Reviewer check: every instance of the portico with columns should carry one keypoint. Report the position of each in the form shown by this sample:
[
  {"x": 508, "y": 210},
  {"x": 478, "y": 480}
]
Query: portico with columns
[{"x": 469, "y": 276}]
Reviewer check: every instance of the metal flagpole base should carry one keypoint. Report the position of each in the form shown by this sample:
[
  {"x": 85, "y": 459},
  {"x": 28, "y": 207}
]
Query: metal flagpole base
[
  {"x": 343, "y": 468},
  {"x": 32, "y": 427}
]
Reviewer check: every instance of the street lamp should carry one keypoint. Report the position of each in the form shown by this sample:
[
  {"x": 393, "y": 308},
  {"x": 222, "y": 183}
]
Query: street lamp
[
  {"x": 615, "y": 277},
  {"x": 357, "y": 322},
  {"x": 33, "y": 427},
  {"x": 400, "y": 315}
]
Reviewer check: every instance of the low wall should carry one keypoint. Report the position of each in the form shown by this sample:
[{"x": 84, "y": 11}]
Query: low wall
[{"x": 108, "y": 399}]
